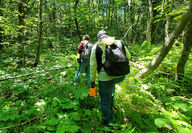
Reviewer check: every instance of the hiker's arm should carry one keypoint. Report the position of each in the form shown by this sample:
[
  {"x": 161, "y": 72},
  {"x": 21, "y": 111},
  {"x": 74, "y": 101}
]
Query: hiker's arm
[
  {"x": 93, "y": 63},
  {"x": 80, "y": 48}
]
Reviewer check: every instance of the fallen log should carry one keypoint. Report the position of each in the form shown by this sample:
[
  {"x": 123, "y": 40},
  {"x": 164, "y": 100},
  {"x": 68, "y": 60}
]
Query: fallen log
[{"x": 29, "y": 74}]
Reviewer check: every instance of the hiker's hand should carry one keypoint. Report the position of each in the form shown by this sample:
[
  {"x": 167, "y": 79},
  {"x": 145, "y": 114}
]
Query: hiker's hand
[
  {"x": 92, "y": 84},
  {"x": 79, "y": 60}
]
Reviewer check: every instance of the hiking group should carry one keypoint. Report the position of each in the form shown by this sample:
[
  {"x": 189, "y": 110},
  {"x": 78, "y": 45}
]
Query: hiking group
[{"x": 110, "y": 59}]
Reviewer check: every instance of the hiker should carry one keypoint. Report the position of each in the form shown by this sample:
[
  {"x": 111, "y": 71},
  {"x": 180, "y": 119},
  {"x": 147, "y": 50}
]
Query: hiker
[
  {"x": 105, "y": 79},
  {"x": 84, "y": 49}
]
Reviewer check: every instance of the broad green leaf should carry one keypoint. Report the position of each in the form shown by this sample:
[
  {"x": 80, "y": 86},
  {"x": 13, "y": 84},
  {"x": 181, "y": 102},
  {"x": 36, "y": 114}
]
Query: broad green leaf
[
  {"x": 51, "y": 128},
  {"x": 53, "y": 122},
  {"x": 181, "y": 129},
  {"x": 75, "y": 116},
  {"x": 87, "y": 112},
  {"x": 181, "y": 105},
  {"x": 160, "y": 122},
  {"x": 67, "y": 126},
  {"x": 67, "y": 106},
  {"x": 3, "y": 131},
  {"x": 14, "y": 116}
]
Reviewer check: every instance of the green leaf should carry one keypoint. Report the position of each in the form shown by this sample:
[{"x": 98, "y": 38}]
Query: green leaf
[
  {"x": 87, "y": 112},
  {"x": 14, "y": 116},
  {"x": 184, "y": 118},
  {"x": 184, "y": 124},
  {"x": 6, "y": 118},
  {"x": 70, "y": 105},
  {"x": 67, "y": 126},
  {"x": 160, "y": 122},
  {"x": 181, "y": 105},
  {"x": 75, "y": 116},
  {"x": 3, "y": 131},
  {"x": 51, "y": 128},
  {"x": 155, "y": 50},
  {"x": 31, "y": 130},
  {"x": 53, "y": 122},
  {"x": 41, "y": 128},
  {"x": 67, "y": 106},
  {"x": 181, "y": 129},
  {"x": 53, "y": 72},
  {"x": 55, "y": 103}
]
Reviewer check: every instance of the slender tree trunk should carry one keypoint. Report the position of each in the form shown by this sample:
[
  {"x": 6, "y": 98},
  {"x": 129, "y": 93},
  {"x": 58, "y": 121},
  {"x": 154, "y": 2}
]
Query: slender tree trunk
[
  {"x": 21, "y": 36},
  {"x": 132, "y": 18},
  {"x": 136, "y": 26},
  {"x": 89, "y": 23},
  {"x": 125, "y": 17},
  {"x": 126, "y": 7},
  {"x": 94, "y": 17},
  {"x": 186, "y": 51},
  {"x": 37, "y": 60},
  {"x": 103, "y": 15},
  {"x": 112, "y": 14},
  {"x": 69, "y": 25},
  {"x": 1, "y": 29},
  {"x": 150, "y": 22},
  {"x": 163, "y": 4},
  {"x": 116, "y": 27},
  {"x": 166, "y": 24},
  {"x": 168, "y": 45},
  {"x": 76, "y": 21},
  {"x": 167, "y": 30},
  {"x": 155, "y": 34},
  {"x": 109, "y": 14},
  {"x": 53, "y": 17},
  {"x": 143, "y": 27}
]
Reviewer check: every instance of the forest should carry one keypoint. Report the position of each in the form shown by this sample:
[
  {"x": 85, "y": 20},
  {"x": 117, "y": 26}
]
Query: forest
[{"x": 38, "y": 62}]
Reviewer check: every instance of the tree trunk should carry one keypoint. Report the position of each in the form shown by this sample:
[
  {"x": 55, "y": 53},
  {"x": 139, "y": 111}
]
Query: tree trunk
[
  {"x": 167, "y": 23},
  {"x": 167, "y": 30},
  {"x": 109, "y": 14},
  {"x": 21, "y": 36},
  {"x": 76, "y": 21},
  {"x": 1, "y": 29},
  {"x": 168, "y": 45},
  {"x": 112, "y": 14},
  {"x": 136, "y": 27},
  {"x": 186, "y": 51},
  {"x": 125, "y": 17},
  {"x": 116, "y": 26},
  {"x": 53, "y": 17},
  {"x": 69, "y": 25},
  {"x": 132, "y": 18},
  {"x": 150, "y": 22},
  {"x": 37, "y": 60},
  {"x": 163, "y": 4}
]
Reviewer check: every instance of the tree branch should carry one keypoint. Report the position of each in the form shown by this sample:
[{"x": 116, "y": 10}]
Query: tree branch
[
  {"x": 28, "y": 74},
  {"x": 20, "y": 124},
  {"x": 168, "y": 45}
]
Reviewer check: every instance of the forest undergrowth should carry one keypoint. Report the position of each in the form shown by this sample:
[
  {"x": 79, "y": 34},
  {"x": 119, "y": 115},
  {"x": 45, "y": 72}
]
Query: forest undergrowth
[{"x": 44, "y": 99}]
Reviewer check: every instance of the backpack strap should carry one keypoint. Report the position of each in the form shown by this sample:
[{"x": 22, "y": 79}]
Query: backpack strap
[
  {"x": 123, "y": 47},
  {"x": 85, "y": 43},
  {"x": 99, "y": 53}
]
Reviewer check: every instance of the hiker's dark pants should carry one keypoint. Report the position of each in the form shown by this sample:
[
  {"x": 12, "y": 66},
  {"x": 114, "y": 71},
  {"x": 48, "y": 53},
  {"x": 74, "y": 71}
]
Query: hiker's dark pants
[
  {"x": 83, "y": 66},
  {"x": 107, "y": 92}
]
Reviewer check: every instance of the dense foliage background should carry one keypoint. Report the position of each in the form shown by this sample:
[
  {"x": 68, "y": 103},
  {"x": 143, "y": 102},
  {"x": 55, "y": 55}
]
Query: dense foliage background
[{"x": 38, "y": 47}]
